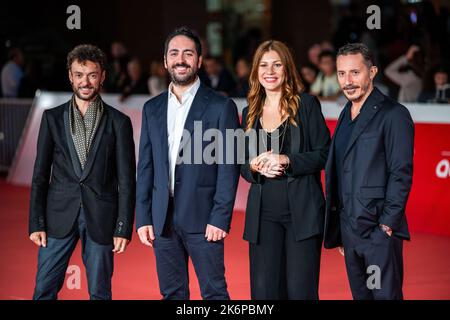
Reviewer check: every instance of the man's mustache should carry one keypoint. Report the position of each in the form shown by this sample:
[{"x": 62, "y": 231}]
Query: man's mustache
[
  {"x": 351, "y": 87},
  {"x": 185, "y": 65}
]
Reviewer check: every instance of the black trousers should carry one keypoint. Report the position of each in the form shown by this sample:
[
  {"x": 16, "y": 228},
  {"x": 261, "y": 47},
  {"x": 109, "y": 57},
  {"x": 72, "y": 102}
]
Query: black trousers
[
  {"x": 374, "y": 264},
  {"x": 282, "y": 268},
  {"x": 173, "y": 250}
]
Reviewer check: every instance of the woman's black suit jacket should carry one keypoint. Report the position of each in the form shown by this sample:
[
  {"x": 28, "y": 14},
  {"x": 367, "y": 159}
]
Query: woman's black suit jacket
[{"x": 307, "y": 159}]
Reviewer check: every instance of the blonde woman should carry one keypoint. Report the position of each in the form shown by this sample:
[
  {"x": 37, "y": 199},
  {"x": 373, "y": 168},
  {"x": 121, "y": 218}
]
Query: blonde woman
[{"x": 285, "y": 207}]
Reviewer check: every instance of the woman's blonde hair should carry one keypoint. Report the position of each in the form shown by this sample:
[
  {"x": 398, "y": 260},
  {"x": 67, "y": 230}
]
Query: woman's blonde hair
[{"x": 291, "y": 86}]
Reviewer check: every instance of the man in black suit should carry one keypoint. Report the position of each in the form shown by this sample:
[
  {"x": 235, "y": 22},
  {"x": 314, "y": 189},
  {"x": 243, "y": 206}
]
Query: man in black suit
[
  {"x": 368, "y": 179},
  {"x": 185, "y": 201},
  {"x": 84, "y": 182}
]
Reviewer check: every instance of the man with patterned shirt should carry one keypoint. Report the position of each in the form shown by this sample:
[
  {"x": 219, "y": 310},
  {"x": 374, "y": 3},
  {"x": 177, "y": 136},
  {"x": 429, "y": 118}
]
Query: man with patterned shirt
[{"x": 84, "y": 182}]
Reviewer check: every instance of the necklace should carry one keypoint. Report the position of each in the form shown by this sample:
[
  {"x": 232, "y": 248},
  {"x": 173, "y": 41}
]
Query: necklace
[{"x": 272, "y": 137}]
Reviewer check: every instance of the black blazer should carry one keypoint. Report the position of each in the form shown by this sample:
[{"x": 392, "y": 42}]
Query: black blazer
[
  {"x": 377, "y": 173},
  {"x": 105, "y": 188},
  {"x": 204, "y": 193},
  {"x": 306, "y": 200}
]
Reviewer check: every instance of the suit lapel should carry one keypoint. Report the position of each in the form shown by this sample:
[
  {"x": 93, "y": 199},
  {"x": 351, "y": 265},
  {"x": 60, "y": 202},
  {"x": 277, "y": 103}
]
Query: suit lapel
[
  {"x": 295, "y": 138},
  {"x": 370, "y": 108},
  {"x": 198, "y": 106},
  {"x": 253, "y": 141},
  {"x": 161, "y": 120},
  {"x": 330, "y": 159},
  {"x": 73, "y": 153},
  {"x": 331, "y": 152},
  {"x": 95, "y": 144},
  {"x": 341, "y": 116}
]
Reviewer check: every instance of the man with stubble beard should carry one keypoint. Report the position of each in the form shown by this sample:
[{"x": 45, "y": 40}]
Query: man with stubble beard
[
  {"x": 183, "y": 209},
  {"x": 84, "y": 182},
  {"x": 368, "y": 179}
]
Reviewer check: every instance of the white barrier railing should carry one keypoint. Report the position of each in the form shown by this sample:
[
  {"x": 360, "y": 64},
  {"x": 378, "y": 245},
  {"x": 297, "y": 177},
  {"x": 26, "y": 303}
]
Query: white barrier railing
[
  {"x": 22, "y": 167},
  {"x": 13, "y": 116}
]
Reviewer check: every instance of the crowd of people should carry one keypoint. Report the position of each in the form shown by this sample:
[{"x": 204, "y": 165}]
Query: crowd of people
[
  {"x": 407, "y": 78},
  {"x": 414, "y": 79},
  {"x": 127, "y": 75}
]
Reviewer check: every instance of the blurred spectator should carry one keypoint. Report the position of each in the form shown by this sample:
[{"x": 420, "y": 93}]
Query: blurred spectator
[
  {"x": 117, "y": 72},
  {"x": 31, "y": 81},
  {"x": 407, "y": 72},
  {"x": 327, "y": 46},
  {"x": 308, "y": 73},
  {"x": 243, "y": 69},
  {"x": 136, "y": 81},
  {"x": 157, "y": 82},
  {"x": 313, "y": 54},
  {"x": 326, "y": 85},
  {"x": 247, "y": 41},
  {"x": 437, "y": 90},
  {"x": 12, "y": 73},
  {"x": 217, "y": 76}
]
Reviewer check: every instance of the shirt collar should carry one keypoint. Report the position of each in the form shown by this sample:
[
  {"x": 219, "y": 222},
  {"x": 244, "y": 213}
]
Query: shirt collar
[
  {"x": 192, "y": 91},
  {"x": 94, "y": 104}
]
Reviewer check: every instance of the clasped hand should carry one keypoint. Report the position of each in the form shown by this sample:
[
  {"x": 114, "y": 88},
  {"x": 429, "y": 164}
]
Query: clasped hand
[{"x": 270, "y": 164}]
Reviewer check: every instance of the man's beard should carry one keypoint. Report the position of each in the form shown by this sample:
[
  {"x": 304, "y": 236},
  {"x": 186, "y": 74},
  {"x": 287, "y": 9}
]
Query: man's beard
[
  {"x": 89, "y": 97},
  {"x": 363, "y": 91},
  {"x": 186, "y": 79}
]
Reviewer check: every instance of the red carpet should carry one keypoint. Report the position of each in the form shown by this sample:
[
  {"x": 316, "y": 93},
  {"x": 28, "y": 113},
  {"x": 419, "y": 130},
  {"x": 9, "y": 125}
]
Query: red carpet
[{"x": 427, "y": 262}]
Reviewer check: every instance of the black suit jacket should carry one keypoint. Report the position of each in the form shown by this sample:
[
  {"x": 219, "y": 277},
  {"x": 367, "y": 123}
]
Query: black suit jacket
[
  {"x": 204, "y": 192},
  {"x": 305, "y": 193},
  {"x": 105, "y": 188},
  {"x": 377, "y": 176}
]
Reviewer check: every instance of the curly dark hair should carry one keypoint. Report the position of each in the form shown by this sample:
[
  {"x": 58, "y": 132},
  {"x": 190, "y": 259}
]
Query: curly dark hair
[{"x": 86, "y": 52}]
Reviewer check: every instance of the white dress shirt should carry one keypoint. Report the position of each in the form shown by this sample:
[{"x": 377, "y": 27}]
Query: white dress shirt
[{"x": 177, "y": 113}]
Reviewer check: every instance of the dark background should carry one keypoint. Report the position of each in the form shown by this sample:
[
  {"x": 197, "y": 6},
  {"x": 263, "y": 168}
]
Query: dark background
[{"x": 39, "y": 28}]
